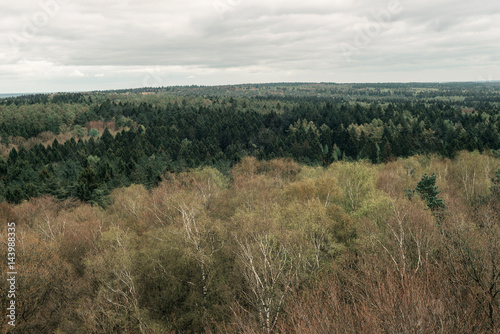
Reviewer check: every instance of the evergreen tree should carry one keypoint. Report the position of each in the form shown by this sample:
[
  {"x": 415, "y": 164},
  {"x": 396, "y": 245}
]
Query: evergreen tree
[
  {"x": 427, "y": 190},
  {"x": 4, "y": 138},
  {"x": 87, "y": 183},
  {"x": 386, "y": 152}
]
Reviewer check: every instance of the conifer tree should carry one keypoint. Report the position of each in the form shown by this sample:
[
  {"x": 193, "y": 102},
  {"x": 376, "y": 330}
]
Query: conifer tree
[
  {"x": 87, "y": 183},
  {"x": 427, "y": 190}
]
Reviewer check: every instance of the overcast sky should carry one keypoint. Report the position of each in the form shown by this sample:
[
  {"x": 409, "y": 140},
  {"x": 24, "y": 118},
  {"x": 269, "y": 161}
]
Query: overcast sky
[{"x": 78, "y": 45}]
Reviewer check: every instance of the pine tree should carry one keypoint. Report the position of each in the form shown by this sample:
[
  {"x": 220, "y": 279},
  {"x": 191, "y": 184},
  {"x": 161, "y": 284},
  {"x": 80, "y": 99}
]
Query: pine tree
[
  {"x": 427, "y": 190},
  {"x": 87, "y": 183},
  {"x": 386, "y": 152},
  {"x": 107, "y": 138},
  {"x": 4, "y": 138}
]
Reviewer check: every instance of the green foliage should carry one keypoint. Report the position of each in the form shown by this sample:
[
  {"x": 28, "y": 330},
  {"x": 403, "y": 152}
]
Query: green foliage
[
  {"x": 179, "y": 128},
  {"x": 427, "y": 190},
  {"x": 274, "y": 247},
  {"x": 87, "y": 184},
  {"x": 79, "y": 131},
  {"x": 357, "y": 182},
  {"x": 4, "y": 138},
  {"x": 93, "y": 133},
  {"x": 93, "y": 161}
]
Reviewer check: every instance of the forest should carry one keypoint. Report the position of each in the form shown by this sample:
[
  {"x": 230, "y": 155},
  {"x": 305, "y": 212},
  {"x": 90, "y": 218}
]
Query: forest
[{"x": 259, "y": 208}]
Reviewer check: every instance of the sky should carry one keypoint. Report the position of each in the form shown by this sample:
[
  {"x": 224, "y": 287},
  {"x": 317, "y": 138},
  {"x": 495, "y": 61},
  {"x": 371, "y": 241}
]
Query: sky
[{"x": 83, "y": 45}]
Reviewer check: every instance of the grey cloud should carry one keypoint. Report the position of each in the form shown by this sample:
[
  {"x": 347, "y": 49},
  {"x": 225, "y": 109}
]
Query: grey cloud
[{"x": 243, "y": 40}]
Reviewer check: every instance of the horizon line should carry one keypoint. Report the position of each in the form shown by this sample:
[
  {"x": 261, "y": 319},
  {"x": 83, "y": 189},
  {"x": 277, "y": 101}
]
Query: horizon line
[{"x": 252, "y": 83}]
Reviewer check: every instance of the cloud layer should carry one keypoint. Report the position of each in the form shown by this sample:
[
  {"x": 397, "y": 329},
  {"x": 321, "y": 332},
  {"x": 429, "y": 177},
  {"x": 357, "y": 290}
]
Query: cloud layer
[{"x": 70, "y": 45}]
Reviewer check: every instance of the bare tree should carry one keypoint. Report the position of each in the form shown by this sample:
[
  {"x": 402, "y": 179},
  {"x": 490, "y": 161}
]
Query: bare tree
[
  {"x": 203, "y": 241},
  {"x": 474, "y": 261},
  {"x": 270, "y": 269},
  {"x": 118, "y": 296}
]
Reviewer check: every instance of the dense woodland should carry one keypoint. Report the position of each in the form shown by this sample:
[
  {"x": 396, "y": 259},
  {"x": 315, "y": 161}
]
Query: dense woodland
[
  {"x": 85, "y": 145},
  {"x": 277, "y": 208}
]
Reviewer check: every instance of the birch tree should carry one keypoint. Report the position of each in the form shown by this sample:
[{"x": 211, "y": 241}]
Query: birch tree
[{"x": 270, "y": 269}]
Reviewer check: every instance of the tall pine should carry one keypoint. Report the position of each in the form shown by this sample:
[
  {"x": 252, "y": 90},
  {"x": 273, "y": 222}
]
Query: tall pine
[{"x": 427, "y": 190}]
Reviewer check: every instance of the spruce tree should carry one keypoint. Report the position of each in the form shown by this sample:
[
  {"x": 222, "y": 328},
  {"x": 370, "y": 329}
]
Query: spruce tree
[
  {"x": 87, "y": 183},
  {"x": 427, "y": 190}
]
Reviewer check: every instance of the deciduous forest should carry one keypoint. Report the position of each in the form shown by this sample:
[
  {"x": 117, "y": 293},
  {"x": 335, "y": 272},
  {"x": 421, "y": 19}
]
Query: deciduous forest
[{"x": 272, "y": 208}]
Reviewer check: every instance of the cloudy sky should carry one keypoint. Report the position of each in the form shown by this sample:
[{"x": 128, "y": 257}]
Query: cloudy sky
[{"x": 78, "y": 45}]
